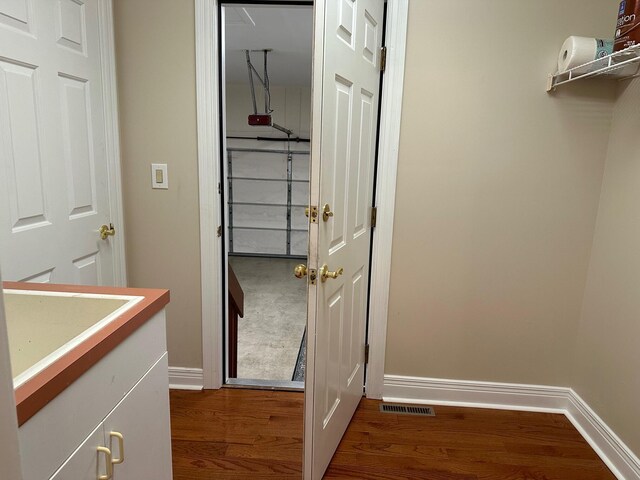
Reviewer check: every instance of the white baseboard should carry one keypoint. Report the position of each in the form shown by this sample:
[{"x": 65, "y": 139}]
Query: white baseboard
[
  {"x": 619, "y": 458},
  {"x": 503, "y": 396},
  {"x": 624, "y": 464},
  {"x": 185, "y": 378}
]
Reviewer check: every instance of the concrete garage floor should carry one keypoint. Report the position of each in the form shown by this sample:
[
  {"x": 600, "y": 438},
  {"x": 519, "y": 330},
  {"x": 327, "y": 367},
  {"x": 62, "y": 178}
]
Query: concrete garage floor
[{"x": 275, "y": 316}]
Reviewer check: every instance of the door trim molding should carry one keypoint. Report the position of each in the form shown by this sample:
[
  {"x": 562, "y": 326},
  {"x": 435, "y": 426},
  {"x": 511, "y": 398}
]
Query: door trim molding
[
  {"x": 620, "y": 459},
  {"x": 389, "y": 144},
  {"x": 112, "y": 138},
  {"x": 209, "y": 176},
  {"x": 208, "y": 128}
]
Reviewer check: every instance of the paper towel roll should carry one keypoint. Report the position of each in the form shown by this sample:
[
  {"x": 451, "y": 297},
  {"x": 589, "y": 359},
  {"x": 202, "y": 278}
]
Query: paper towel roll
[{"x": 576, "y": 51}]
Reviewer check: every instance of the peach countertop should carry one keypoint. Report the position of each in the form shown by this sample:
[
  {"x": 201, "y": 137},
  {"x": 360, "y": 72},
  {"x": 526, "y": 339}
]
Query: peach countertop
[{"x": 88, "y": 321}]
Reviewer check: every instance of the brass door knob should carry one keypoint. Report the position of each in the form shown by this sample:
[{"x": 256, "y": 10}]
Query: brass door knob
[
  {"x": 325, "y": 273},
  {"x": 300, "y": 271},
  {"x": 326, "y": 212},
  {"x": 107, "y": 231}
]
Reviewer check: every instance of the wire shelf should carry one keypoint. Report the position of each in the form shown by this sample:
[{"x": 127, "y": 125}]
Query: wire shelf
[{"x": 602, "y": 67}]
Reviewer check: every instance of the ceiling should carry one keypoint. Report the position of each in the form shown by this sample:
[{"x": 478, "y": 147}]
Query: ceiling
[{"x": 285, "y": 30}]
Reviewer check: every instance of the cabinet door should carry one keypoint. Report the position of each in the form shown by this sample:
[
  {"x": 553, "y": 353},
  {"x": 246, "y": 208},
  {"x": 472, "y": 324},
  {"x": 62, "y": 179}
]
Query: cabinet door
[
  {"x": 142, "y": 418},
  {"x": 86, "y": 463}
]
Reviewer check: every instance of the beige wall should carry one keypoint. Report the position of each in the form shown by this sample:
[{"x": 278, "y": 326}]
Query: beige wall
[
  {"x": 608, "y": 353},
  {"x": 155, "y": 50},
  {"x": 497, "y": 197},
  {"x": 498, "y": 188}
]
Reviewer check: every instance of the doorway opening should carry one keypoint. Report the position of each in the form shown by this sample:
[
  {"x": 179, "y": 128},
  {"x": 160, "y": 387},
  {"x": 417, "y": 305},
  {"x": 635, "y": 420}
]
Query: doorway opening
[{"x": 266, "y": 120}]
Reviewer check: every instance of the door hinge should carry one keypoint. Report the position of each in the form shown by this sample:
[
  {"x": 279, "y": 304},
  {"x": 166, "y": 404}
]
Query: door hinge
[
  {"x": 366, "y": 353},
  {"x": 311, "y": 213},
  {"x": 219, "y": 231},
  {"x": 374, "y": 216},
  {"x": 383, "y": 59}
]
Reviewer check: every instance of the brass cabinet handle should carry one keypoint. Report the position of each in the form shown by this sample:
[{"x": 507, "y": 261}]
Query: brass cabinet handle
[
  {"x": 107, "y": 231},
  {"x": 120, "y": 438},
  {"x": 325, "y": 273},
  {"x": 109, "y": 465}
]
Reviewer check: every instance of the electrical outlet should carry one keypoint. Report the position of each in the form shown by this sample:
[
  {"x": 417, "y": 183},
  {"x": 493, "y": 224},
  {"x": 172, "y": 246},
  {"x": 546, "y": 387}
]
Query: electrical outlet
[{"x": 159, "y": 176}]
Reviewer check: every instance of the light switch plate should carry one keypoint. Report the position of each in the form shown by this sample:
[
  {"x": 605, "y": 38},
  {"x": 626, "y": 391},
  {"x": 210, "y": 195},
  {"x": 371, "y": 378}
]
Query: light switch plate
[{"x": 159, "y": 176}]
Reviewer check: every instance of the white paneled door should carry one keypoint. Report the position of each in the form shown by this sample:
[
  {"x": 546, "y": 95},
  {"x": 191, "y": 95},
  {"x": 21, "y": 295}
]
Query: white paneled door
[
  {"x": 54, "y": 179},
  {"x": 345, "y": 101}
]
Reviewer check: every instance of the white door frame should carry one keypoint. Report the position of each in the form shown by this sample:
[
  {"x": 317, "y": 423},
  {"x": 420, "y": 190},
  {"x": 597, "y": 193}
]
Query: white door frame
[
  {"x": 112, "y": 138},
  {"x": 211, "y": 248},
  {"x": 389, "y": 145}
]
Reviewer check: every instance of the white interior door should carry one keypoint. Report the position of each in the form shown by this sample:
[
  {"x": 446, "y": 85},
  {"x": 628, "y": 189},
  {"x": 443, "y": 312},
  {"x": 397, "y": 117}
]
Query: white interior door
[
  {"x": 54, "y": 185},
  {"x": 348, "y": 36}
]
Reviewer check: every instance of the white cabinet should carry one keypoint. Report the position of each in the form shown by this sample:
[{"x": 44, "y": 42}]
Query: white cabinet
[
  {"x": 146, "y": 436},
  {"x": 145, "y": 431},
  {"x": 86, "y": 461},
  {"x": 126, "y": 392}
]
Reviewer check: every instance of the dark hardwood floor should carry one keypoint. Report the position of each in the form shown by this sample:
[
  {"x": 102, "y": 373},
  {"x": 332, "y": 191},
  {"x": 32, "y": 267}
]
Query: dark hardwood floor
[{"x": 257, "y": 434}]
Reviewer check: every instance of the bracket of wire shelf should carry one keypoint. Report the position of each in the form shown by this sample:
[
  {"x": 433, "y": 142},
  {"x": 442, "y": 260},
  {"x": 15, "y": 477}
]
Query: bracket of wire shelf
[{"x": 601, "y": 67}]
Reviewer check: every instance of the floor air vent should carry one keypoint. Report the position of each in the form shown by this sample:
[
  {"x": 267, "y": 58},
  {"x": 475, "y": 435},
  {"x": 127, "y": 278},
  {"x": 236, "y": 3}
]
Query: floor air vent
[{"x": 406, "y": 409}]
